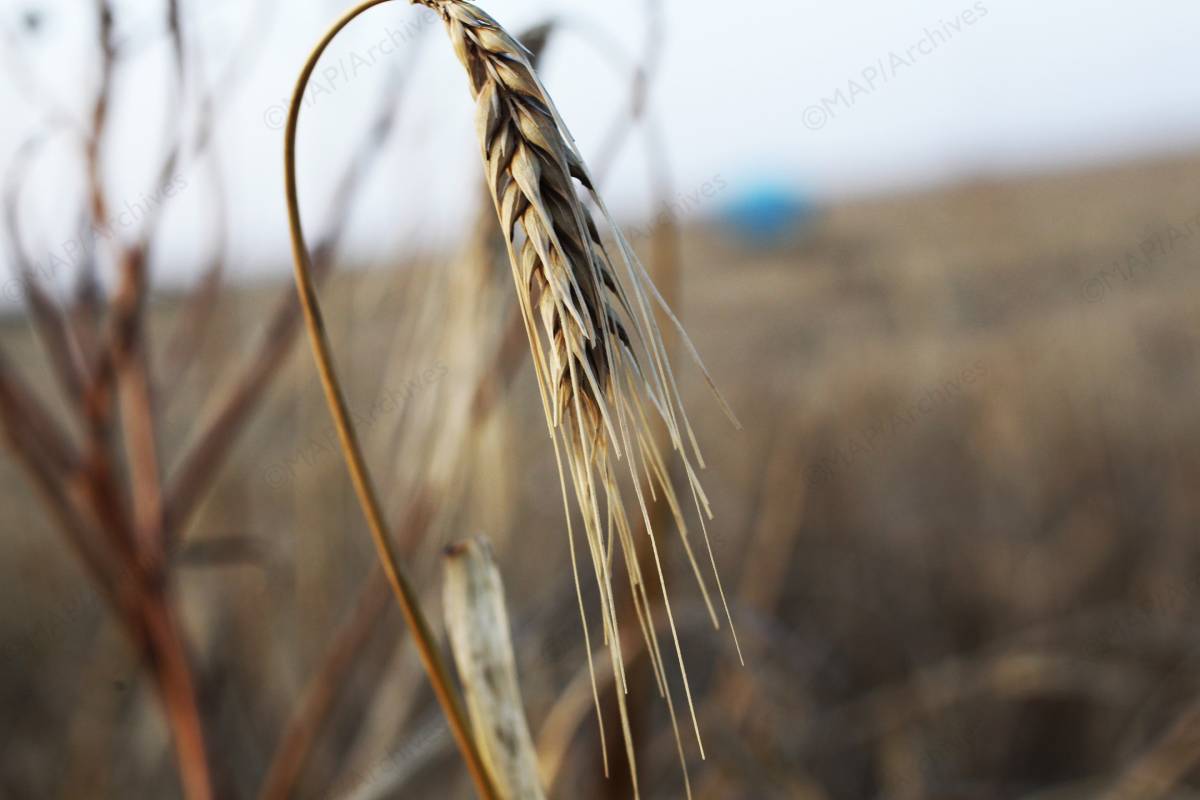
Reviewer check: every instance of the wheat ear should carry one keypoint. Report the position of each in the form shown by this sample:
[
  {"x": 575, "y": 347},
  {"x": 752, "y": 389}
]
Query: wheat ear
[{"x": 599, "y": 356}]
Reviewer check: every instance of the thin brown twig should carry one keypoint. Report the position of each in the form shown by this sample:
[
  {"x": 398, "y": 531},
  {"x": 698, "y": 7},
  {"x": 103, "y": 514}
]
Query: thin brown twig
[
  {"x": 175, "y": 149},
  {"x": 46, "y": 467},
  {"x": 98, "y": 397},
  {"x": 62, "y": 346},
  {"x": 165, "y": 651},
  {"x": 59, "y": 454},
  {"x": 97, "y": 203},
  {"x": 90, "y": 479},
  {"x": 183, "y": 348},
  {"x": 138, "y": 418}
]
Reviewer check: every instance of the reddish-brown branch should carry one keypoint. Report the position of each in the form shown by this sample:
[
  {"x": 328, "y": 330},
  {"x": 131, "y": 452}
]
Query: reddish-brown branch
[
  {"x": 143, "y": 610},
  {"x": 29, "y": 412},
  {"x": 134, "y": 395},
  {"x": 165, "y": 653},
  {"x": 99, "y": 118}
]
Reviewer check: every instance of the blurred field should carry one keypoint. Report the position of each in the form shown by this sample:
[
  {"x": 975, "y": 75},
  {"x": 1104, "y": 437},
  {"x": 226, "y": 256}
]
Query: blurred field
[{"x": 958, "y": 530}]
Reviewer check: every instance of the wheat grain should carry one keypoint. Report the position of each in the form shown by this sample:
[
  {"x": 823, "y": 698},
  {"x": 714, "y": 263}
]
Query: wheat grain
[{"x": 599, "y": 356}]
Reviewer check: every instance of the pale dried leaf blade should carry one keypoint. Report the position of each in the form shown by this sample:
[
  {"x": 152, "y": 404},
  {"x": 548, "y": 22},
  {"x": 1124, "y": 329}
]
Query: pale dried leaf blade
[{"x": 477, "y": 624}]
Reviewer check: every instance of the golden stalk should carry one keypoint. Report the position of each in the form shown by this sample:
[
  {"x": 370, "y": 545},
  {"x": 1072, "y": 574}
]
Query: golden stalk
[{"x": 406, "y": 597}]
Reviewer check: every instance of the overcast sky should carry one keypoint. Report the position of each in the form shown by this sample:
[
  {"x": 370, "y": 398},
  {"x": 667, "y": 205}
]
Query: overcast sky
[{"x": 832, "y": 98}]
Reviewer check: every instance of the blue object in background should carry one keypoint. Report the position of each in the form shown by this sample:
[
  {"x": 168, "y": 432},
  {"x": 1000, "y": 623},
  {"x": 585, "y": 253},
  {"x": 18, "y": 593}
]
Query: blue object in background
[{"x": 766, "y": 214}]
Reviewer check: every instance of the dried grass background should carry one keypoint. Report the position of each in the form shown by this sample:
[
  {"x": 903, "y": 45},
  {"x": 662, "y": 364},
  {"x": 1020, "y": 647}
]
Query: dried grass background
[
  {"x": 1041, "y": 519},
  {"x": 958, "y": 533}
]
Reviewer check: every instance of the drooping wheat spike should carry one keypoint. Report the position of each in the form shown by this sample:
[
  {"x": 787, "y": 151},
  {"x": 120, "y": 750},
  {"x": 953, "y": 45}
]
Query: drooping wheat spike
[{"x": 600, "y": 359}]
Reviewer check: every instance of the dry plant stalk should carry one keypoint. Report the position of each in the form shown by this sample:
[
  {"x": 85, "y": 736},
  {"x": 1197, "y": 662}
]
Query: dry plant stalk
[
  {"x": 111, "y": 511},
  {"x": 405, "y": 594},
  {"x": 477, "y": 624}
]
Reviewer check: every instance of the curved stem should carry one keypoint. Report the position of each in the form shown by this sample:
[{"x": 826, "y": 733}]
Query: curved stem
[{"x": 406, "y": 598}]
